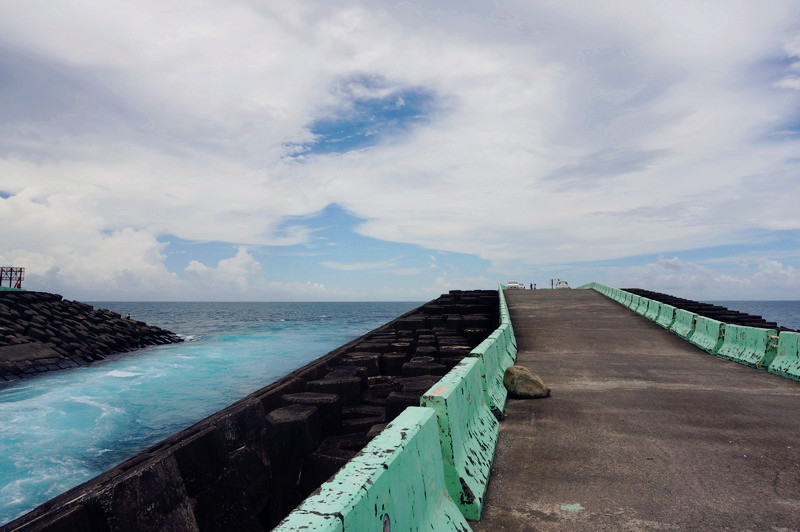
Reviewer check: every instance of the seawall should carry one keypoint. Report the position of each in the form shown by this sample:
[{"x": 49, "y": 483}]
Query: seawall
[
  {"x": 247, "y": 466},
  {"x": 42, "y": 332}
]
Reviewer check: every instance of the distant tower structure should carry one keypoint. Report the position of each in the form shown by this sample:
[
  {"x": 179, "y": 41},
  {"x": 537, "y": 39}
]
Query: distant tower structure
[{"x": 13, "y": 275}]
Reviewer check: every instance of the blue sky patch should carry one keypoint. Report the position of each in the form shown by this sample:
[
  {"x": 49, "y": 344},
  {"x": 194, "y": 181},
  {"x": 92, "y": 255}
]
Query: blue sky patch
[
  {"x": 370, "y": 111},
  {"x": 337, "y": 256}
]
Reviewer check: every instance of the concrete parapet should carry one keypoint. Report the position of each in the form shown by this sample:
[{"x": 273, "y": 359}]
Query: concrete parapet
[
  {"x": 396, "y": 483},
  {"x": 708, "y": 334},
  {"x": 683, "y": 325},
  {"x": 641, "y": 308},
  {"x": 787, "y": 358},
  {"x": 666, "y": 316},
  {"x": 468, "y": 432},
  {"x": 653, "y": 309},
  {"x": 750, "y": 346},
  {"x": 491, "y": 355}
]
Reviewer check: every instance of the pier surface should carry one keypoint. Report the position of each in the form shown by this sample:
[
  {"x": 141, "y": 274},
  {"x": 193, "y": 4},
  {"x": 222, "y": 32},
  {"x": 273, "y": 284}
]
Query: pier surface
[{"x": 643, "y": 431}]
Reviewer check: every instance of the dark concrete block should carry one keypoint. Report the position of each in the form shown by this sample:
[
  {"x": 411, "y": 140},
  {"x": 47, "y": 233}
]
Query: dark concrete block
[
  {"x": 79, "y": 518},
  {"x": 417, "y": 385},
  {"x": 348, "y": 388},
  {"x": 329, "y": 406},
  {"x": 293, "y": 431},
  {"x": 150, "y": 497},
  {"x": 428, "y": 351},
  {"x": 399, "y": 401},
  {"x": 371, "y": 361},
  {"x": 392, "y": 363}
]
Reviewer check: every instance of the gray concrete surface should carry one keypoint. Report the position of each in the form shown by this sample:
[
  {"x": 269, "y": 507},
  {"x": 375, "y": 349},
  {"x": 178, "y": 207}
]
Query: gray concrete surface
[{"x": 643, "y": 430}]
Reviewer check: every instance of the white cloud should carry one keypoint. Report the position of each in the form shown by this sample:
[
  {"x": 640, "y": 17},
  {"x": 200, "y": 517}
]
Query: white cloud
[
  {"x": 357, "y": 266},
  {"x": 559, "y": 134},
  {"x": 235, "y": 275},
  {"x": 759, "y": 278}
]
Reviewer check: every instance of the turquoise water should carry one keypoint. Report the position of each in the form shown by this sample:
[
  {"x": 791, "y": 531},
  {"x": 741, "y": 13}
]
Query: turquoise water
[{"x": 60, "y": 429}]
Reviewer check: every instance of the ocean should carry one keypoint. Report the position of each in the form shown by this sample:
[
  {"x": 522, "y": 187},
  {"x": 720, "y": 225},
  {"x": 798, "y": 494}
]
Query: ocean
[
  {"x": 784, "y": 313},
  {"x": 60, "y": 429}
]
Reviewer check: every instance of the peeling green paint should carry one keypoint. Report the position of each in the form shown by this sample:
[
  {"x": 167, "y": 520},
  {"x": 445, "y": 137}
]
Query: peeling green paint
[
  {"x": 750, "y": 346},
  {"x": 708, "y": 334},
  {"x": 653, "y": 310},
  {"x": 395, "y": 483},
  {"x": 666, "y": 315},
  {"x": 468, "y": 432},
  {"x": 575, "y": 507},
  {"x": 787, "y": 358},
  {"x": 683, "y": 325}
]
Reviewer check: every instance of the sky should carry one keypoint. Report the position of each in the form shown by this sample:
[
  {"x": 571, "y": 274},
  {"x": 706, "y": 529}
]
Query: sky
[{"x": 366, "y": 150}]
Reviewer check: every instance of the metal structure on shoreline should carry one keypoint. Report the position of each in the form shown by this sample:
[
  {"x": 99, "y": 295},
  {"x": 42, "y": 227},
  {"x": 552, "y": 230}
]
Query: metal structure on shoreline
[{"x": 13, "y": 275}]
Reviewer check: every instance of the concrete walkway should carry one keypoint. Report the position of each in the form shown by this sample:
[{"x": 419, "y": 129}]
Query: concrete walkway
[{"x": 643, "y": 430}]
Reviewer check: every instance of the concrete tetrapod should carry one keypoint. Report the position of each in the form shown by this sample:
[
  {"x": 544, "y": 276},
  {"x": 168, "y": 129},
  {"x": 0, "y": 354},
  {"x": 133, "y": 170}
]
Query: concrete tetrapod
[
  {"x": 395, "y": 483},
  {"x": 708, "y": 334},
  {"x": 748, "y": 345},
  {"x": 787, "y": 359},
  {"x": 468, "y": 432}
]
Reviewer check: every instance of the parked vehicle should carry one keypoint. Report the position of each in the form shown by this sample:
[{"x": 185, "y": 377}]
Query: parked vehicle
[{"x": 515, "y": 285}]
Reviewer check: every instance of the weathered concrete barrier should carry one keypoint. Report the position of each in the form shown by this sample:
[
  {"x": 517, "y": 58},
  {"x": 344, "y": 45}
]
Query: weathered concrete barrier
[
  {"x": 468, "y": 432},
  {"x": 633, "y": 302},
  {"x": 750, "y": 346},
  {"x": 653, "y": 309},
  {"x": 787, "y": 358},
  {"x": 395, "y": 483},
  {"x": 641, "y": 308},
  {"x": 491, "y": 367},
  {"x": 684, "y": 324},
  {"x": 666, "y": 316},
  {"x": 708, "y": 334}
]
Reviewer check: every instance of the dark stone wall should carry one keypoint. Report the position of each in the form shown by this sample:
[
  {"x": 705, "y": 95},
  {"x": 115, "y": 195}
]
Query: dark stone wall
[
  {"x": 247, "y": 466},
  {"x": 43, "y": 332}
]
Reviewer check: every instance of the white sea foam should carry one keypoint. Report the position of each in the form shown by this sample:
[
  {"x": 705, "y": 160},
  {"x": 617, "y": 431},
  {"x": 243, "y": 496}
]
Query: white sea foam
[{"x": 119, "y": 373}]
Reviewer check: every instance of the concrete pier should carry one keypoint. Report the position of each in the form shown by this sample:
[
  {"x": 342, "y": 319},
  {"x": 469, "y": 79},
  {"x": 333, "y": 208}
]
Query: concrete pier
[{"x": 643, "y": 430}]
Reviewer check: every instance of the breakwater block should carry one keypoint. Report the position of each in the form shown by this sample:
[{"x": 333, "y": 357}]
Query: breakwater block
[
  {"x": 787, "y": 359},
  {"x": 468, "y": 432},
  {"x": 328, "y": 404},
  {"x": 708, "y": 334},
  {"x": 396, "y": 483},
  {"x": 748, "y": 345},
  {"x": 42, "y": 332}
]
